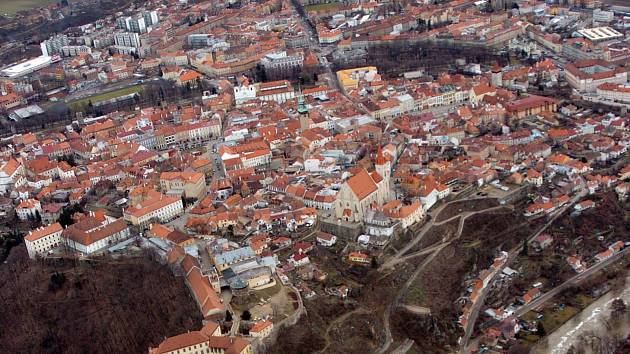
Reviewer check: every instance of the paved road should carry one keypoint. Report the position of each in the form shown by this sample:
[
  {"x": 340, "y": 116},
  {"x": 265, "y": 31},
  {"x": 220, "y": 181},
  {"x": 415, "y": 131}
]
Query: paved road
[
  {"x": 572, "y": 281},
  {"x": 474, "y": 311}
]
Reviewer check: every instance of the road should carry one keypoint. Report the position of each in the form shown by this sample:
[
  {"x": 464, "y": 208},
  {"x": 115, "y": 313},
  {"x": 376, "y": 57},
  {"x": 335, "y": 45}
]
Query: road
[
  {"x": 572, "y": 281},
  {"x": 592, "y": 321},
  {"x": 512, "y": 255}
]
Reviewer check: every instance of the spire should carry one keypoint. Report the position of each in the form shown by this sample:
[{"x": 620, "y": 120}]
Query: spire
[
  {"x": 380, "y": 159},
  {"x": 301, "y": 107}
]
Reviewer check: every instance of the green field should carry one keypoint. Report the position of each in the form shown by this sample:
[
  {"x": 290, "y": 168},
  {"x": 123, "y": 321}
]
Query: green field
[
  {"x": 321, "y": 7},
  {"x": 105, "y": 96},
  {"x": 10, "y": 7}
]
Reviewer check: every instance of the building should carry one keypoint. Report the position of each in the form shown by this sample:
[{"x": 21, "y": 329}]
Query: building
[
  {"x": 43, "y": 239},
  {"x": 200, "y": 285},
  {"x": 350, "y": 78},
  {"x": 187, "y": 184},
  {"x": 279, "y": 91},
  {"x": 326, "y": 239},
  {"x": 226, "y": 259},
  {"x": 28, "y": 209},
  {"x": 406, "y": 214},
  {"x": 94, "y": 233},
  {"x": 602, "y": 16},
  {"x": 531, "y": 105},
  {"x": 127, "y": 39},
  {"x": 600, "y": 34},
  {"x": 207, "y": 340},
  {"x": 135, "y": 24},
  {"x": 587, "y": 75},
  {"x": 54, "y": 45},
  {"x": 358, "y": 257},
  {"x": 11, "y": 100},
  {"x": 614, "y": 92},
  {"x": 261, "y": 329},
  {"x": 11, "y": 171},
  {"x": 153, "y": 205},
  {"x": 281, "y": 64},
  {"x": 27, "y": 67},
  {"x": 151, "y": 18},
  {"x": 363, "y": 190}
]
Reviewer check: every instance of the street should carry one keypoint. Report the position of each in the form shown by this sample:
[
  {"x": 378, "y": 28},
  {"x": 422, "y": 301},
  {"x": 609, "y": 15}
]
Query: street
[
  {"x": 474, "y": 312},
  {"x": 574, "y": 280}
]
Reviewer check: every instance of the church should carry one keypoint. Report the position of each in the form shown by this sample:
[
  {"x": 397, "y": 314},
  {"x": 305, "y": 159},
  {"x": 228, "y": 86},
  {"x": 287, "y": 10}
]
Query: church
[{"x": 364, "y": 190}]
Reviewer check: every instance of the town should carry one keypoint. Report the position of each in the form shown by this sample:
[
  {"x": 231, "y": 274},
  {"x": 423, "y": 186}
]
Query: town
[{"x": 315, "y": 176}]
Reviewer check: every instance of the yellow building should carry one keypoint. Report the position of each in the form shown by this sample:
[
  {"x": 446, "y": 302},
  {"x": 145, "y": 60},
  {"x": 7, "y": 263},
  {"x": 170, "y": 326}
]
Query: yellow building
[
  {"x": 188, "y": 184},
  {"x": 349, "y": 79}
]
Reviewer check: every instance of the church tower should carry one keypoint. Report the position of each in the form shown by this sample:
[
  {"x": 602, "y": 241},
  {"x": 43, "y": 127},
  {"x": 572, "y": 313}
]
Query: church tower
[{"x": 384, "y": 168}]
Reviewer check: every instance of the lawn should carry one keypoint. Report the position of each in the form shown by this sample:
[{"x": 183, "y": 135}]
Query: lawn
[
  {"x": 106, "y": 96},
  {"x": 11, "y": 7},
  {"x": 553, "y": 318},
  {"x": 322, "y": 7}
]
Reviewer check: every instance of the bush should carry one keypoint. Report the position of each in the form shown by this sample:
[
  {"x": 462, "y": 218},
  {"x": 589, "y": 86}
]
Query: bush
[{"x": 56, "y": 281}]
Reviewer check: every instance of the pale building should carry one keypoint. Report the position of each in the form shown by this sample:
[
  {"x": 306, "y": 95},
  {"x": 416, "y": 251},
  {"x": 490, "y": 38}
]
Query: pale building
[
  {"x": 10, "y": 172},
  {"x": 188, "y": 184},
  {"x": 28, "y": 208},
  {"x": 43, "y": 239},
  {"x": 95, "y": 233},
  {"x": 261, "y": 329},
  {"x": 207, "y": 340},
  {"x": 154, "y": 205}
]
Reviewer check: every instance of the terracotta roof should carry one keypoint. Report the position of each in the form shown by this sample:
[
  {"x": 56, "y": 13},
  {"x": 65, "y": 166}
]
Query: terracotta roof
[
  {"x": 361, "y": 184},
  {"x": 43, "y": 231}
]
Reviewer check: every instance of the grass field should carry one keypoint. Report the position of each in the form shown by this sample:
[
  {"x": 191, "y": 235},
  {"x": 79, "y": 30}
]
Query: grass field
[
  {"x": 553, "y": 318},
  {"x": 322, "y": 7},
  {"x": 106, "y": 96},
  {"x": 10, "y": 7}
]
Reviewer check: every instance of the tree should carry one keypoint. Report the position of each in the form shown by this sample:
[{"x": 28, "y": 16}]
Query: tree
[
  {"x": 525, "y": 250},
  {"x": 228, "y": 316},
  {"x": 56, "y": 281},
  {"x": 246, "y": 315},
  {"x": 618, "y": 308},
  {"x": 540, "y": 329},
  {"x": 374, "y": 263}
]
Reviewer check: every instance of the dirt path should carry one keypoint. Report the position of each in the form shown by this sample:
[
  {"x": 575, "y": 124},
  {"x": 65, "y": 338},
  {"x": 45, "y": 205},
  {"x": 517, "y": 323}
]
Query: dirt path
[
  {"x": 338, "y": 320},
  {"x": 436, "y": 250}
]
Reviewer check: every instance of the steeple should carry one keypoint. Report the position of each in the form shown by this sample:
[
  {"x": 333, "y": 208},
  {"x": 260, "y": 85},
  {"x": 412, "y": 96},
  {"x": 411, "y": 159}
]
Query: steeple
[
  {"x": 301, "y": 106},
  {"x": 380, "y": 159}
]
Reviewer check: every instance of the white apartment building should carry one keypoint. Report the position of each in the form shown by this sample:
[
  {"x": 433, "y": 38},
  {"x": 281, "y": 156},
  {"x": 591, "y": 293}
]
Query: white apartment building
[{"x": 127, "y": 39}]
